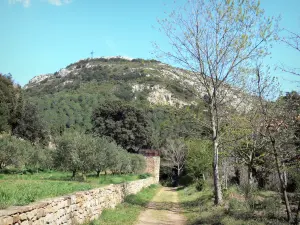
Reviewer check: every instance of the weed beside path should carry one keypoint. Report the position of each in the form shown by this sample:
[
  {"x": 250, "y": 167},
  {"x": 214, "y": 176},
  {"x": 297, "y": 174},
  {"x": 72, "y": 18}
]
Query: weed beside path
[
  {"x": 127, "y": 212},
  {"x": 198, "y": 208}
]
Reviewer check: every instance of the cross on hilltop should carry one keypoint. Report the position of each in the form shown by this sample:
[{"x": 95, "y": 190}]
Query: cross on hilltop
[{"x": 92, "y": 54}]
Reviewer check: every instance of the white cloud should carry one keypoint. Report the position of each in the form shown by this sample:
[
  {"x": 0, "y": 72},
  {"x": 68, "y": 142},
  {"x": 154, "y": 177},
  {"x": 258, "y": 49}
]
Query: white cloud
[
  {"x": 26, "y": 3},
  {"x": 59, "y": 2}
]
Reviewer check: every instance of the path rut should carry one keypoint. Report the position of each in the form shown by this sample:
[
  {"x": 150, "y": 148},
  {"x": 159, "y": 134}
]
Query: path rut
[{"x": 163, "y": 209}]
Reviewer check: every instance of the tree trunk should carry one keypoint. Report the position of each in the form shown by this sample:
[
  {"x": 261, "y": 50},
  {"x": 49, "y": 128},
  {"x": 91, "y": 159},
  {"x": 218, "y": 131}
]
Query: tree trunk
[
  {"x": 98, "y": 173},
  {"x": 281, "y": 181},
  {"x": 73, "y": 173},
  {"x": 250, "y": 181},
  {"x": 215, "y": 139},
  {"x": 250, "y": 176},
  {"x": 84, "y": 176},
  {"x": 297, "y": 213}
]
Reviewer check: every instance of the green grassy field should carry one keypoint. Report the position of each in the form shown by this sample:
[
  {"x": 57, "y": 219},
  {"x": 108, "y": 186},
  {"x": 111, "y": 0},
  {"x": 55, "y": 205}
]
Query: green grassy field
[
  {"x": 127, "y": 212},
  {"x": 16, "y": 189},
  {"x": 260, "y": 210}
]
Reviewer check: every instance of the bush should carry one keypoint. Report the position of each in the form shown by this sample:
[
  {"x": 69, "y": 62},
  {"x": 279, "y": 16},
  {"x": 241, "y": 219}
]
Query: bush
[
  {"x": 144, "y": 175},
  {"x": 272, "y": 207},
  {"x": 237, "y": 207},
  {"x": 200, "y": 185},
  {"x": 185, "y": 180},
  {"x": 138, "y": 163}
]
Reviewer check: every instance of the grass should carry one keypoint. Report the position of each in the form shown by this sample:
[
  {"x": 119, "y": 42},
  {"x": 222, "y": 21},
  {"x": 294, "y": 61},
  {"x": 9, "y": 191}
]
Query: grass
[
  {"x": 199, "y": 209},
  {"x": 127, "y": 212},
  {"x": 17, "y": 189}
]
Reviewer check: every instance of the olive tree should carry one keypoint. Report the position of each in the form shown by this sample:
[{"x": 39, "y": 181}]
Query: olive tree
[
  {"x": 217, "y": 41},
  {"x": 75, "y": 152},
  {"x": 138, "y": 163},
  {"x": 100, "y": 154}
]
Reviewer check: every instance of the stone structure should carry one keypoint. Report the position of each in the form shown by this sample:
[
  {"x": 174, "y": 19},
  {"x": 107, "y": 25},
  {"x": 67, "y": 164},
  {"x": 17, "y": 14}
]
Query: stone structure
[
  {"x": 152, "y": 162},
  {"x": 75, "y": 208}
]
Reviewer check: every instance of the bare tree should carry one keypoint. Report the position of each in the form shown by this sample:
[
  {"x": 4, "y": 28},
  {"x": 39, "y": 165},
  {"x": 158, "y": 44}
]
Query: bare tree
[
  {"x": 216, "y": 40},
  {"x": 293, "y": 41},
  {"x": 174, "y": 154},
  {"x": 279, "y": 130}
]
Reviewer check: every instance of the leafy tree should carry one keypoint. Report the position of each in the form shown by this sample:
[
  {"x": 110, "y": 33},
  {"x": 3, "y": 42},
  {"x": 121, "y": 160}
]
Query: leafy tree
[
  {"x": 100, "y": 154},
  {"x": 243, "y": 141},
  {"x": 75, "y": 152},
  {"x": 10, "y": 95},
  {"x": 123, "y": 123},
  {"x": 9, "y": 154},
  {"x": 216, "y": 41},
  {"x": 30, "y": 126},
  {"x": 138, "y": 163},
  {"x": 124, "y": 92},
  {"x": 20, "y": 153},
  {"x": 198, "y": 160}
]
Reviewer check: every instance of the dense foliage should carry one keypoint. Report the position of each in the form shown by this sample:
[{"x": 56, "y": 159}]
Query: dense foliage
[
  {"x": 123, "y": 123},
  {"x": 10, "y": 103}
]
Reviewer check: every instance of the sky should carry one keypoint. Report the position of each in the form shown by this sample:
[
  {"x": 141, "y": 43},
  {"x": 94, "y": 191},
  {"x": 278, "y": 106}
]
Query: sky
[{"x": 43, "y": 36}]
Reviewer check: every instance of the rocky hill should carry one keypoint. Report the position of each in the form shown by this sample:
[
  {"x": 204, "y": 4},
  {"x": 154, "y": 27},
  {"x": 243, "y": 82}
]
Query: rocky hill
[
  {"x": 67, "y": 97},
  {"x": 155, "y": 81}
]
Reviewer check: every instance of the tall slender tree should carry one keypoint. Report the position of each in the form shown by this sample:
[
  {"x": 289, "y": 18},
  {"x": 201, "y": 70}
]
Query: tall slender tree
[{"x": 217, "y": 41}]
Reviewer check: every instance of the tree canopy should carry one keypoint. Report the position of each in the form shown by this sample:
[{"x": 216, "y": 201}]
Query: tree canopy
[{"x": 123, "y": 123}]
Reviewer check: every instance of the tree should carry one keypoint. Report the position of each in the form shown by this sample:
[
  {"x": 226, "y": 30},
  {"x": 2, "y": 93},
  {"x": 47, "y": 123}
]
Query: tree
[
  {"x": 199, "y": 157},
  {"x": 138, "y": 163},
  {"x": 216, "y": 41},
  {"x": 293, "y": 41},
  {"x": 279, "y": 129},
  {"x": 75, "y": 153},
  {"x": 100, "y": 155},
  {"x": 243, "y": 141},
  {"x": 20, "y": 153},
  {"x": 30, "y": 126},
  {"x": 174, "y": 154},
  {"x": 123, "y": 123},
  {"x": 10, "y": 100}
]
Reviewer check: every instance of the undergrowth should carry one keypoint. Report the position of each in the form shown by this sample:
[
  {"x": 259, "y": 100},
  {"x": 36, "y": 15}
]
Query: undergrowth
[
  {"x": 259, "y": 209},
  {"x": 127, "y": 212}
]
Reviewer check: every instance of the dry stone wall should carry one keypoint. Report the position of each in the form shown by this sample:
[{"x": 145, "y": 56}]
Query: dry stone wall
[
  {"x": 153, "y": 166},
  {"x": 75, "y": 208}
]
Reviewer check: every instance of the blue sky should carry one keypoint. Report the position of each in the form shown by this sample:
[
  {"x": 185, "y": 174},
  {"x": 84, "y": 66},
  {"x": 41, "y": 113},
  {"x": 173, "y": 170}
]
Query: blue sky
[{"x": 42, "y": 36}]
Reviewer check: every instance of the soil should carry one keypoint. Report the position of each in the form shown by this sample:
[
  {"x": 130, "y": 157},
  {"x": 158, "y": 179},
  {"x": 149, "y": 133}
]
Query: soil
[{"x": 163, "y": 209}]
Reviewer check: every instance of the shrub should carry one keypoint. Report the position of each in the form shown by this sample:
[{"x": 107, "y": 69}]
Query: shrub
[
  {"x": 200, "y": 184},
  {"x": 138, "y": 163},
  {"x": 272, "y": 207},
  {"x": 237, "y": 207},
  {"x": 144, "y": 175},
  {"x": 185, "y": 180}
]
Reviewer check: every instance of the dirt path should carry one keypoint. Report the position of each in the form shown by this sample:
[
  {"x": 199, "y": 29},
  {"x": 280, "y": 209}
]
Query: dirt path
[{"x": 163, "y": 209}]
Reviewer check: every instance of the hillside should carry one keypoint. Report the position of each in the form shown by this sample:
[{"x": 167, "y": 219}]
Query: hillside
[
  {"x": 67, "y": 98},
  {"x": 136, "y": 78}
]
